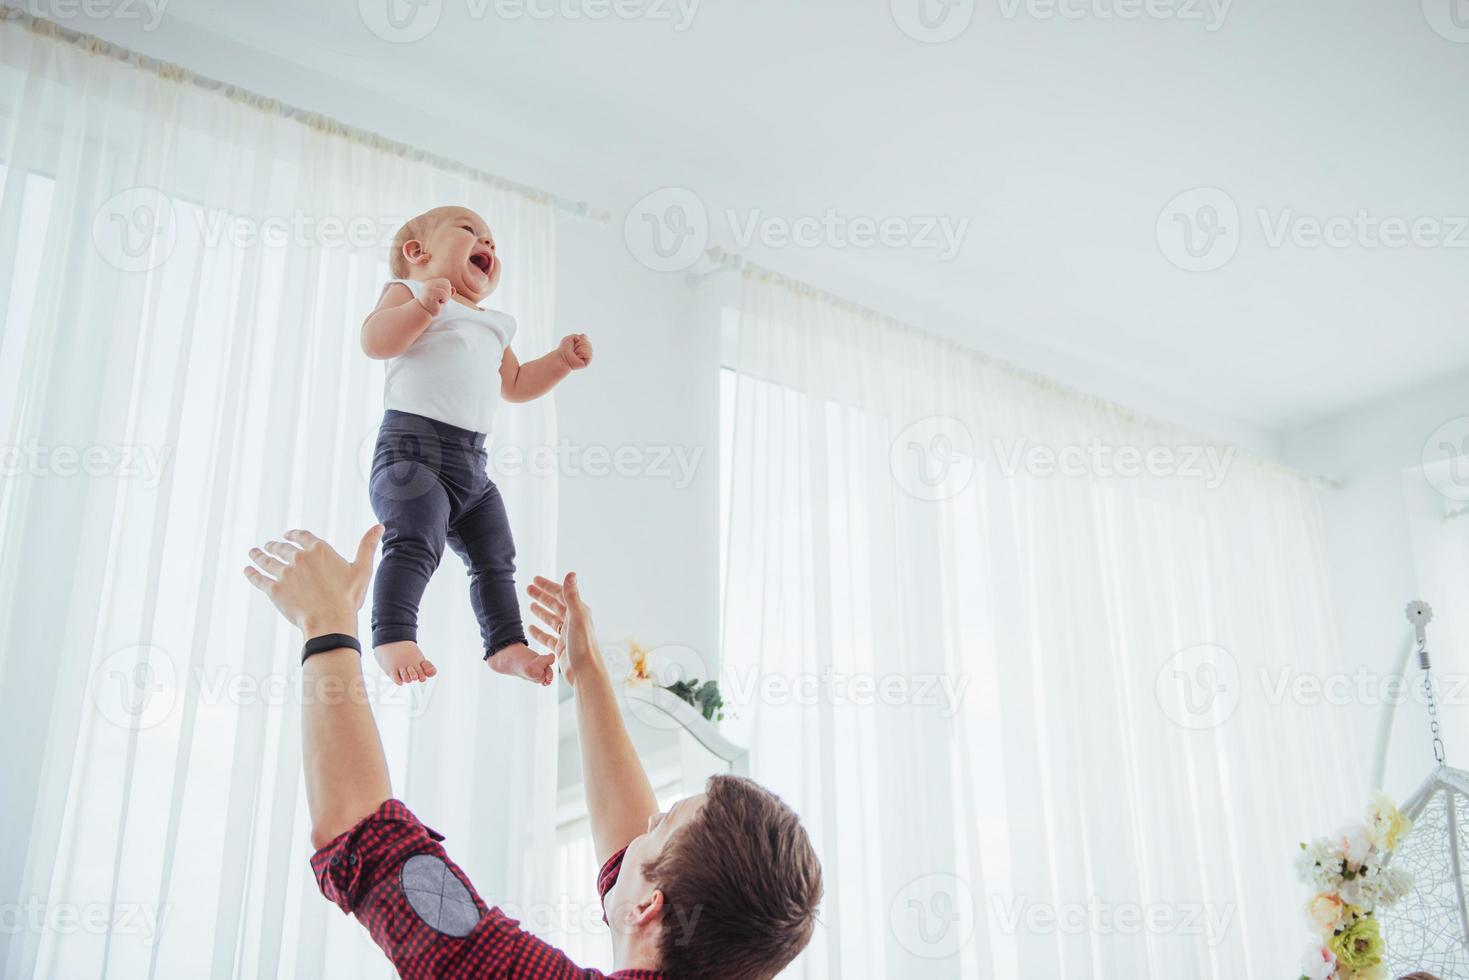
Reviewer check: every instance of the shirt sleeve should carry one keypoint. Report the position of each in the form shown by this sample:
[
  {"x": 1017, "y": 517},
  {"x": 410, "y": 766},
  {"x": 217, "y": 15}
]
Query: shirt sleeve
[
  {"x": 607, "y": 877},
  {"x": 391, "y": 873},
  {"x": 415, "y": 287}
]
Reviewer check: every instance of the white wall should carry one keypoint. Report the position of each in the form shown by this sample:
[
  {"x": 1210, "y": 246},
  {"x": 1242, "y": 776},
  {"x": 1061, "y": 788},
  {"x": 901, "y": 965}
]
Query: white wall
[
  {"x": 1391, "y": 541},
  {"x": 645, "y": 547}
]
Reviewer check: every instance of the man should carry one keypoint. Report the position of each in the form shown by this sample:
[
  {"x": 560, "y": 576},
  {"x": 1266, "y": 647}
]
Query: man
[{"x": 723, "y": 885}]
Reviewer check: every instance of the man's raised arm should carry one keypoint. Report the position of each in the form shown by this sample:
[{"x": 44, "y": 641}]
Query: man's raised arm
[
  {"x": 320, "y": 592},
  {"x": 620, "y": 800}
]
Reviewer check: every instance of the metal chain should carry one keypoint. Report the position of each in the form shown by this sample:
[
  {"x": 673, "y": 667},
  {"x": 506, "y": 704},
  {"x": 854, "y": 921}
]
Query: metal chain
[{"x": 1438, "y": 746}]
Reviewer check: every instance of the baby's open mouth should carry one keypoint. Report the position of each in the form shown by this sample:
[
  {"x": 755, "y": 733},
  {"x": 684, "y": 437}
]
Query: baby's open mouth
[{"x": 483, "y": 261}]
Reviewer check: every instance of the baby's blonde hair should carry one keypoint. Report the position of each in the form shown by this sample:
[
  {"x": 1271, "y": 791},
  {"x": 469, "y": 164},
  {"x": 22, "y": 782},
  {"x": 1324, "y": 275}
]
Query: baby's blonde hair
[{"x": 413, "y": 231}]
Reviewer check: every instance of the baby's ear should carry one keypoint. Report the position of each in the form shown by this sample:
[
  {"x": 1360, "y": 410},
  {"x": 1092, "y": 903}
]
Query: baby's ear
[{"x": 414, "y": 251}]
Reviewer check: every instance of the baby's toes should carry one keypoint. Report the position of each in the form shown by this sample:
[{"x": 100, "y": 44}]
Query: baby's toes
[
  {"x": 428, "y": 669},
  {"x": 544, "y": 672}
]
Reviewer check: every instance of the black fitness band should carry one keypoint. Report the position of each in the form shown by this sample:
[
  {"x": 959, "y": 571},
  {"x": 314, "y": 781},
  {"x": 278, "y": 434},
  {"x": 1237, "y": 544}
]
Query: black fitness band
[{"x": 331, "y": 641}]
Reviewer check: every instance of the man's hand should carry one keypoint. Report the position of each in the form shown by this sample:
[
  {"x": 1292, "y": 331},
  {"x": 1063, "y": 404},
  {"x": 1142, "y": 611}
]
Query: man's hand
[
  {"x": 314, "y": 587},
  {"x": 575, "y": 351},
  {"x": 560, "y": 607},
  {"x": 620, "y": 800},
  {"x": 436, "y": 292}
]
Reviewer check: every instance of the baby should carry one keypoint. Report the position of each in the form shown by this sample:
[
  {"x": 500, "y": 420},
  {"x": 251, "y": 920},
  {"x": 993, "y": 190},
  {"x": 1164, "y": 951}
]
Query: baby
[{"x": 449, "y": 364}]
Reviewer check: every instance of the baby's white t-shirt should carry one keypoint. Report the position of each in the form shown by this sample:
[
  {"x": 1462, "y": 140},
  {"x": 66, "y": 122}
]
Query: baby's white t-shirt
[{"x": 451, "y": 372}]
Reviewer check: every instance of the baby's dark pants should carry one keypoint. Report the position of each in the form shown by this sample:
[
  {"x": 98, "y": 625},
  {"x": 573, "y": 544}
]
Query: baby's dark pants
[{"x": 429, "y": 485}]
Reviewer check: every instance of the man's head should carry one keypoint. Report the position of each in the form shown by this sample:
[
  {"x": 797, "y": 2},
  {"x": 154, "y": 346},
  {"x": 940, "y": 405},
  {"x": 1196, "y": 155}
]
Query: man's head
[
  {"x": 726, "y": 881},
  {"x": 450, "y": 243}
]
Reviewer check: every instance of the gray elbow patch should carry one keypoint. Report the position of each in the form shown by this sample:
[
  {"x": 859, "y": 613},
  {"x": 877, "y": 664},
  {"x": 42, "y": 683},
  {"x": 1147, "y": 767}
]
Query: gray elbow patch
[{"x": 438, "y": 897}]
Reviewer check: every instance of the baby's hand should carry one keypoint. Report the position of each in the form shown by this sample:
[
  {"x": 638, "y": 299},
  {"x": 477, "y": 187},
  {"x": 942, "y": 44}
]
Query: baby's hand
[
  {"x": 436, "y": 293},
  {"x": 575, "y": 351}
]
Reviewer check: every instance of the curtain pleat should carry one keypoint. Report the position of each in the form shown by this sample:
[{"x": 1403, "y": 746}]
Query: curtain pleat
[
  {"x": 1110, "y": 784},
  {"x": 186, "y": 275}
]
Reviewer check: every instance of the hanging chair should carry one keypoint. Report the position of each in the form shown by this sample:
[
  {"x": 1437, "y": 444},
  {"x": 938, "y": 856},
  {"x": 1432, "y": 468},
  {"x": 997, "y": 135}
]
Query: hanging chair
[{"x": 1428, "y": 929}]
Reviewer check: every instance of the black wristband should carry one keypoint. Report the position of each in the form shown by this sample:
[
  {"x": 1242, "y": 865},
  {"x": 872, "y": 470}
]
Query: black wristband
[{"x": 330, "y": 641}]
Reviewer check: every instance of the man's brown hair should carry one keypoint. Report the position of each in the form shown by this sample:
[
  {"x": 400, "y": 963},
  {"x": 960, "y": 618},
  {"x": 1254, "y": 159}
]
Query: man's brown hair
[{"x": 740, "y": 885}]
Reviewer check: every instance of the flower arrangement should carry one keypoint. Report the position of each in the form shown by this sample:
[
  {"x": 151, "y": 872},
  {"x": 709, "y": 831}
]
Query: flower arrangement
[
  {"x": 1346, "y": 873},
  {"x": 703, "y": 696}
]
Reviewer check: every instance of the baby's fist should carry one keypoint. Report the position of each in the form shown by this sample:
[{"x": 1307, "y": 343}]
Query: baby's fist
[
  {"x": 436, "y": 293},
  {"x": 576, "y": 351}
]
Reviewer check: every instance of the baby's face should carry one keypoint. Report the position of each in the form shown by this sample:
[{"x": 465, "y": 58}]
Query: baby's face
[{"x": 461, "y": 249}]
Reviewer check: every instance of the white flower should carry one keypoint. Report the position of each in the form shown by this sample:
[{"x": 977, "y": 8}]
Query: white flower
[
  {"x": 1392, "y": 884},
  {"x": 1319, "y": 866},
  {"x": 1318, "y": 962},
  {"x": 1352, "y": 843},
  {"x": 1375, "y": 886},
  {"x": 1385, "y": 823}
]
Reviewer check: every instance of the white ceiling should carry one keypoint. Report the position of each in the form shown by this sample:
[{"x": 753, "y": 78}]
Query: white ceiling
[{"x": 1061, "y": 141}]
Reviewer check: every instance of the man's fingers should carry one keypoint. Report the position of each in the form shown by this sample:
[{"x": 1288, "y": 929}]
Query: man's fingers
[
  {"x": 545, "y": 615},
  {"x": 302, "y": 538},
  {"x": 547, "y": 585},
  {"x": 272, "y": 565},
  {"x": 570, "y": 594},
  {"x": 260, "y": 581},
  {"x": 285, "y": 552},
  {"x": 367, "y": 547},
  {"x": 547, "y": 592},
  {"x": 543, "y": 638}
]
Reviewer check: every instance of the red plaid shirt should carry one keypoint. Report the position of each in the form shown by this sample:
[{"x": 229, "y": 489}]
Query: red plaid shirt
[{"x": 427, "y": 929}]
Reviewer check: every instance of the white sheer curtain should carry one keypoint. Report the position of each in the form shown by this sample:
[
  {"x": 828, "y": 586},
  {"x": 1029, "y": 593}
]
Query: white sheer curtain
[
  {"x": 1032, "y": 719},
  {"x": 180, "y": 377}
]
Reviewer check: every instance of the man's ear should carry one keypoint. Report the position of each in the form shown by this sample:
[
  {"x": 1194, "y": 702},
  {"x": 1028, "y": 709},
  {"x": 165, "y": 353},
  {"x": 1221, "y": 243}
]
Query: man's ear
[
  {"x": 648, "y": 912},
  {"x": 414, "y": 252}
]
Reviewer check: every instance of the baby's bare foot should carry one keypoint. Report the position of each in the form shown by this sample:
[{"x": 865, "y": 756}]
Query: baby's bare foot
[
  {"x": 518, "y": 660},
  {"x": 404, "y": 661}
]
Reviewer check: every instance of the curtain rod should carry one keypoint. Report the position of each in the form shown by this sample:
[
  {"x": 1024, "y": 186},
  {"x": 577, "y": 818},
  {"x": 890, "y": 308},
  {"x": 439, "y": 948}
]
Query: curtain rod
[{"x": 313, "y": 120}]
